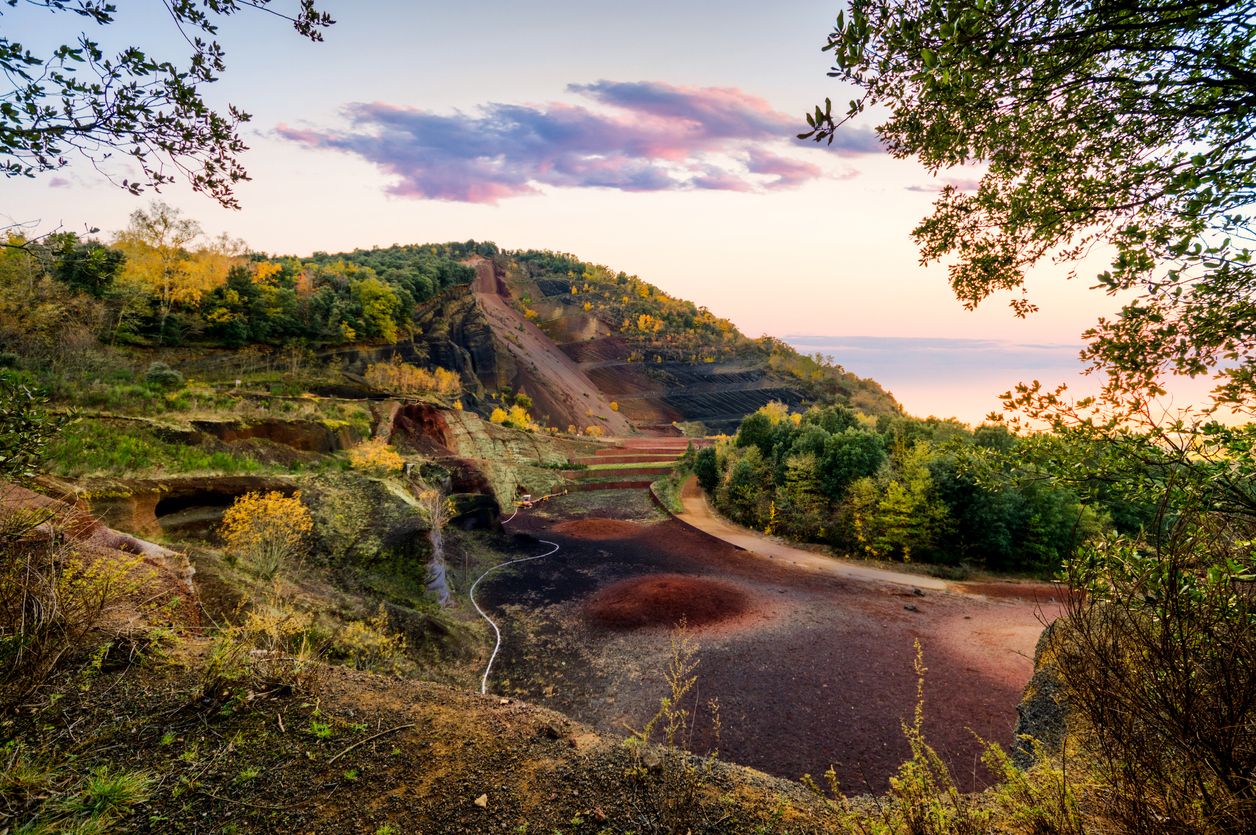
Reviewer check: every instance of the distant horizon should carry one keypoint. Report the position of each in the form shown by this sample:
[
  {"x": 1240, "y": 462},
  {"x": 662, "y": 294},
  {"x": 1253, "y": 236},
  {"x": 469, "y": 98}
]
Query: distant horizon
[
  {"x": 962, "y": 378},
  {"x": 947, "y": 377}
]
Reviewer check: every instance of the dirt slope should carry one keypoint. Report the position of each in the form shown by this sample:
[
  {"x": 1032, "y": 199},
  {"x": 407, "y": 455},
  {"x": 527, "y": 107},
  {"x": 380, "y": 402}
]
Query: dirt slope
[{"x": 562, "y": 393}]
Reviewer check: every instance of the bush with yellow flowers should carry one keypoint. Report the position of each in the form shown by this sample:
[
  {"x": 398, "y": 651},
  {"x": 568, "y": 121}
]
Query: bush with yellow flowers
[
  {"x": 270, "y": 530},
  {"x": 403, "y": 378},
  {"x": 376, "y": 456}
]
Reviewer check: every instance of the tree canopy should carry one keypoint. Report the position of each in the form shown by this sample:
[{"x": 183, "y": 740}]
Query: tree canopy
[
  {"x": 78, "y": 99},
  {"x": 1126, "y": 126}
]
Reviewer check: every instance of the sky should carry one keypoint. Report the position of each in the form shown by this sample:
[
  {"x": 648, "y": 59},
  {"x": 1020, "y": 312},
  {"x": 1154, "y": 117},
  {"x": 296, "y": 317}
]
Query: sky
[{"x": 653, "y": 137}]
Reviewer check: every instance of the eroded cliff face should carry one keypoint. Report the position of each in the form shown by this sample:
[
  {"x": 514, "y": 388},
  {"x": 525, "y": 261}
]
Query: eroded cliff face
[
  {"x": 456, "y": 336},
  {"x": 482, "y": 459},
  {"x": 574, "y": 366}
]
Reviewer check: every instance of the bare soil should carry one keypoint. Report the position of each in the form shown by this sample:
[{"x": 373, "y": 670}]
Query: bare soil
[
  {"x": 561, "y": 390},
  {"x": 817, "y": 671},
  {"x": 665, "y": 600},
  {"x": 598, "y": 529}
]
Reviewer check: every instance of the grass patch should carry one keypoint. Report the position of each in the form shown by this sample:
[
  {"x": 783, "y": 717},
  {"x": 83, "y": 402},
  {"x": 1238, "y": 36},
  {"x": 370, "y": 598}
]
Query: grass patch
[
  {"x": 101, "y": 447},
  {"x": 667, "y": 489},
  {"x": 636, "y": 466}
]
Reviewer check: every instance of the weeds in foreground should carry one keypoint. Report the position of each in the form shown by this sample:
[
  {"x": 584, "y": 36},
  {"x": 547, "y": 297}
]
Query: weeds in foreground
[
  {"x": 270, "y": 652},
  {"x": 38, "y": 795},
  {"x": 924, "y": 800},
  {"x": 671, "y": 781},
  {"x": 53, "y": 596},
  {"x": 370, "y": 644}
]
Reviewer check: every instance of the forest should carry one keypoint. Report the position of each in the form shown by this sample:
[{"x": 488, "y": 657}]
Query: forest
[
  {"x": 907, "y": 489},
  {"x": 661, "y": 328},
  {"x": 163, "y": 282}
]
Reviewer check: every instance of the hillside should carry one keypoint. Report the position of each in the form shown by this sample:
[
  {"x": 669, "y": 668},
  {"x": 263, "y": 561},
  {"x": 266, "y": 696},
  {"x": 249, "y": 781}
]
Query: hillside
[{"x": 660, "y": 360}]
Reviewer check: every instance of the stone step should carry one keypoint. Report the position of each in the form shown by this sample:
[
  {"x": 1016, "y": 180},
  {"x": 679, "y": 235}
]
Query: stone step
[{"x": 592, "y": 474}]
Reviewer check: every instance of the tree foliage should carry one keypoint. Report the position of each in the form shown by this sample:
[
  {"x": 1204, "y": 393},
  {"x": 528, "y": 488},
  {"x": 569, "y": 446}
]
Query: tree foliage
[
  {"x": 76, "y": 98},
  {"x": 1124, "y": 127},
  {"x": 901, "y": 488},
  {"x": 26, "y": 430}
]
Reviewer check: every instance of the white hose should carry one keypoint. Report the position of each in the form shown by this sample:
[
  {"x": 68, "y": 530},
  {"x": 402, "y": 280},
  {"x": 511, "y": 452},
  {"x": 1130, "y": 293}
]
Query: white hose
[{"x": 471, "y": 594}]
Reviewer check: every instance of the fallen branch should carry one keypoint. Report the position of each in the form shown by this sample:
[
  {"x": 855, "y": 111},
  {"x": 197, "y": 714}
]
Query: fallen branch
[{"x": 369, "y": 738}]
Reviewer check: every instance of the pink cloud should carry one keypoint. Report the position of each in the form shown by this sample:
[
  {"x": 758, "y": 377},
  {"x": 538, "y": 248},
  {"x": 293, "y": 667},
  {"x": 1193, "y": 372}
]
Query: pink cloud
[{"x": 643, "y": 136}]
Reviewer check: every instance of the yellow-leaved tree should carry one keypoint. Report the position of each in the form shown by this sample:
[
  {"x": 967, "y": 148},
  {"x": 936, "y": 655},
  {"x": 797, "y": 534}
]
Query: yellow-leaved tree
[
  {"x": 376, "y": 456},
  {"x": 403, "y": 378},
  {"x": 270, "y": 530},
  {"x": 162, "y": 265}
]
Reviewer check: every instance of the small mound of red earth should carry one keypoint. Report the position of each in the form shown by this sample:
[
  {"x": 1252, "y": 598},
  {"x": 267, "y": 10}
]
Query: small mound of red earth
[
  {"x": 665, "y": 600},
  {"x": 598, "y": 528}
]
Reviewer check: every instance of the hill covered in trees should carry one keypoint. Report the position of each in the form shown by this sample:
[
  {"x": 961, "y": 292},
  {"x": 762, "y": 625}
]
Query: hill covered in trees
[{"x": 164, "y": 287}]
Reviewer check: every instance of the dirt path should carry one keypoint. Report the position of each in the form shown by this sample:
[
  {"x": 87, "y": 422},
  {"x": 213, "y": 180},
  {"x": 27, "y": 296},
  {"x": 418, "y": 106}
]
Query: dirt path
[
  {"x": 558, "y": 386},
  {"x": 698, "y": 514},
  {"x": 811, "y": 668}
]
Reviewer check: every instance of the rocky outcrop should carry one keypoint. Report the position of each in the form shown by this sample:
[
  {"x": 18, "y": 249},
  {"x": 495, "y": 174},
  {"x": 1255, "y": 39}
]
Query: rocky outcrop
[
  {"x": 481, "y": 458},
  {"x": 456, "y": 336},
  {"x": 1041, "y": 716},
  {"x": 185, "y": 505},
  {"x": 301, "y": 435}
]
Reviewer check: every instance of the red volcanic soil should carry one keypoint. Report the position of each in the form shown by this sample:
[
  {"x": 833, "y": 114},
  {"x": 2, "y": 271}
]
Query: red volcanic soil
[
  {"x": 818, "y": 672},
  {"x": 665, "y": 600},
  {"x": 1044, "y": 592},
  {"x": 598, "y": 529}
]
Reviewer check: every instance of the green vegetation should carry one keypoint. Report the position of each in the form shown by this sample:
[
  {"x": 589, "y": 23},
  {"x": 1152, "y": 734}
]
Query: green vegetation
[
  {"x": 667, "y": 489},
  {"x": 1123, "y": 129},
  {"x": 163, "y": 282},
  {"x": 898, "y": 488},
  {"x": 91, "y": 447}
]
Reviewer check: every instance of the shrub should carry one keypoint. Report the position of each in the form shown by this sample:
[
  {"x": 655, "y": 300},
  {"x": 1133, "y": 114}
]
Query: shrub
[
  {"x": 376, "y": 456},
  {"x": 26, "y": 430},
  {"x": 402, "y": 378},
  {"x": 52, "y": 597},
  {"x": 369, "y": 645},
  {"x": 670, "y": 782},
  {"x": 1157, "y": 661},
  {"x": 271, "y": 530},
  {"x": 594, "y": 431},
  {"x": 271, "y": 650},
  {"x": 163, "y": 376}
]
